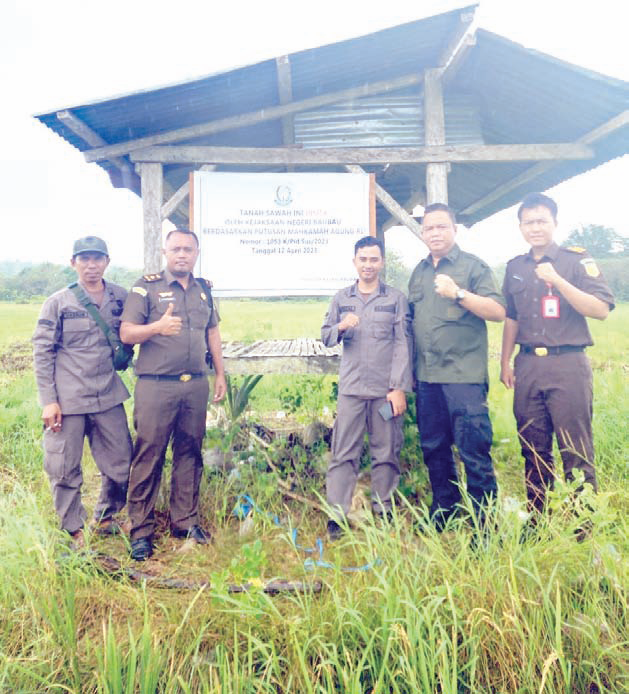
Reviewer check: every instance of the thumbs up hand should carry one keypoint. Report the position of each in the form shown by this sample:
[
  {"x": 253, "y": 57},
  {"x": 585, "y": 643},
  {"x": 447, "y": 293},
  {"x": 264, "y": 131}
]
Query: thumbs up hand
[{"x": 169, "y": 324}]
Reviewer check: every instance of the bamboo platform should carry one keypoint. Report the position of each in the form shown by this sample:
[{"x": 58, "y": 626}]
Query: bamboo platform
[{"x": 300, "y": 356}]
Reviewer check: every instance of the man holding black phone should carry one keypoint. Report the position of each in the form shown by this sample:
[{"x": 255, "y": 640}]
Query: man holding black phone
[{"x": 373, "y": 322}]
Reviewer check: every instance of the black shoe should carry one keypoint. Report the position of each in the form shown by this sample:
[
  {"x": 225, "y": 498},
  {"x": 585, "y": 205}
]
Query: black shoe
[
  {"x": 194, "y": 532},
  {"x": 335, "y": 531},
  {"x": 141, "y": 549}
]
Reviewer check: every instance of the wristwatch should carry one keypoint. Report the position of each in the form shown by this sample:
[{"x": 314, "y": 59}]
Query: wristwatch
[{"x": 460, "y": 295}]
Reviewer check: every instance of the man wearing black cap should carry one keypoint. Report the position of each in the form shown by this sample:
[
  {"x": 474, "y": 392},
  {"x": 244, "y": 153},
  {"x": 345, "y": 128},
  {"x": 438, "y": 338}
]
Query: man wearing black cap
[{"x": 81, "y": 393}]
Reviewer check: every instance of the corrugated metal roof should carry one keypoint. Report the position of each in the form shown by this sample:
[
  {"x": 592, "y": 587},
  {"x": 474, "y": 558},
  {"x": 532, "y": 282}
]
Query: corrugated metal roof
[{"x": 503, "y": 93}]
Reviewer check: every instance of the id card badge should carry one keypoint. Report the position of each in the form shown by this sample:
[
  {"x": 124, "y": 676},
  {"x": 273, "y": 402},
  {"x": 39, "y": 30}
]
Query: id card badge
[{"x": 550, "y": 305}]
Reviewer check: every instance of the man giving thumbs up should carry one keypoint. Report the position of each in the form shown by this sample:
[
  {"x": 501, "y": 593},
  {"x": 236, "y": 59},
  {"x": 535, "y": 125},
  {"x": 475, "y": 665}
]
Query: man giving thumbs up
[{"x": 172, "y": 318}]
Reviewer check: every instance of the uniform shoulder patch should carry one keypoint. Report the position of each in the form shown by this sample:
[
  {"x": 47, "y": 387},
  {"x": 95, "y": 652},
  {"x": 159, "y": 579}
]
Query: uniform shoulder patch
[
  {"x": 139, "y": 290},
  {"x": 590, "y": 266},
  {"x": 576, "y": 249},
  {"x": 152, "y": 278}
]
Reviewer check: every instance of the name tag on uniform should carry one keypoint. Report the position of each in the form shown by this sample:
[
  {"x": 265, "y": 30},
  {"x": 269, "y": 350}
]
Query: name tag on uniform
[{"x": 550, "y": 306}]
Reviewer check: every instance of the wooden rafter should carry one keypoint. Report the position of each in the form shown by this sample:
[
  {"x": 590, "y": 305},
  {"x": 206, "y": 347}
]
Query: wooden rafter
[
  {"x": 181, "y": 194},
  {"x": 252, "y": 118},
  {"x": 391, "y": 204},
  {"x": 619, "y": 121},
  {"x": 339, "y": 156}
]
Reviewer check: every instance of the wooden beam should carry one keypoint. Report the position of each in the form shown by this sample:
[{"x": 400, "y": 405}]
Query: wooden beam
[
  {"x": 338, "y": 156},
  {"x": 458, "y": 59},
  {"x": 619, "y": 121},
  {"x": 285, "y": 94},
  {"x": 180, "y": 194},
  {"x": 391, "y": 204},
  {"x": 458, "y": 48},
  {"x": 417, "y": 198},
  {"x": 435, "y": 135},
  {"x": 92, "y": 138},
  {"x": 151, "y": 175},
  {"x": 253, "y": 117}
]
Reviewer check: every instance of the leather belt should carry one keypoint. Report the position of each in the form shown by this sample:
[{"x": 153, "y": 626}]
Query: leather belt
[
  {"x": 545, "y": 351},
  {"x": 185, "y": 377}
]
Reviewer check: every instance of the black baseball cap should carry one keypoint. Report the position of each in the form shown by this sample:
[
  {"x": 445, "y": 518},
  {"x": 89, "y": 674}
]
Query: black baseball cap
[{"x": 89, "y": 244}]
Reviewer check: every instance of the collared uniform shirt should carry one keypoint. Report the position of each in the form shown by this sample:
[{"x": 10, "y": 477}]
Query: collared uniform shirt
[
  {"x": 524, "y": 291},
  {"x": 377, "y": 352},
  {"x": 171, "y": 354},
  {"x": 450, "y": 341},
  {"x": 72, "y": 357}
]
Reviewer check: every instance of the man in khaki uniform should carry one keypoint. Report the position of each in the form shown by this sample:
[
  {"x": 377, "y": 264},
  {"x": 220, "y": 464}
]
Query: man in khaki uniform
[
  {"x": 81, "y": 393},
  {"x": 170, "y": 315},
  {"x": 372, "y": 321}
]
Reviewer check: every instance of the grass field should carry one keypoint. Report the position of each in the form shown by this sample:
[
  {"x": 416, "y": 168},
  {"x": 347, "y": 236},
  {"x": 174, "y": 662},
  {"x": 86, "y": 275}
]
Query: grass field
[{"x": 428, "y": 612}]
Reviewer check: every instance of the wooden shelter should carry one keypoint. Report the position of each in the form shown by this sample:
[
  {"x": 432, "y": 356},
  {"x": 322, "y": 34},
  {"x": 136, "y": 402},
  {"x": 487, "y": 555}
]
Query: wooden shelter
[{"x": 437, "y": 109}]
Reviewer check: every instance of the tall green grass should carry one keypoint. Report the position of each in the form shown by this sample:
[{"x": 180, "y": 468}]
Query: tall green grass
[{"x": 435, "y": 613}]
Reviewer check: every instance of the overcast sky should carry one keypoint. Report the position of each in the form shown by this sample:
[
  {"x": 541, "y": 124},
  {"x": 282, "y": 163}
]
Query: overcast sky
[{"x": 62, "y": 54}]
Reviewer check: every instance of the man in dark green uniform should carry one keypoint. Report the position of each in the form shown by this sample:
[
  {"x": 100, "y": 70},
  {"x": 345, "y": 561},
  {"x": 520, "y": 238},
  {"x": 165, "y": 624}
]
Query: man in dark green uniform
[
  {"x": 170, "y": 315},
  {"x": 452, "y": 293},
  {"x": 550, "y": 291}
]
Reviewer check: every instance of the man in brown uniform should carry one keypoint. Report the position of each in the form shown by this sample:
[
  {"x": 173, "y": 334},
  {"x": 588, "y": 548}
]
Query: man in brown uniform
[
  {"x": 550, "y": 291},
  {"x": 82, "y": 394},
  {"x": 170, "y": 316},
  {"x": 372, "y": 320}
]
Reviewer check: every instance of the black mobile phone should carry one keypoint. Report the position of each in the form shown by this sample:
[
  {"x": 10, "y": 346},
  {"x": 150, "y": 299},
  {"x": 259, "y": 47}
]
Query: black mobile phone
[{"x": 386, "y": 411}]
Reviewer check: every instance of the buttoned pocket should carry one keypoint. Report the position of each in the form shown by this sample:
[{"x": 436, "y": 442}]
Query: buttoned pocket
[
  {"x": 382, "y": 329},
  {"x": 54, "y": 455}
]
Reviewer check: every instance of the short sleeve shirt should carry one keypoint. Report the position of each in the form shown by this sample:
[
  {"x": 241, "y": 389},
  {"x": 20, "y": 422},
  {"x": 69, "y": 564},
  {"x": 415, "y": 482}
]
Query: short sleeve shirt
[
  {"x": 172, "y": 355},
  {"x": 524, "y": 292},
  {"x": 450, "y": 341}
]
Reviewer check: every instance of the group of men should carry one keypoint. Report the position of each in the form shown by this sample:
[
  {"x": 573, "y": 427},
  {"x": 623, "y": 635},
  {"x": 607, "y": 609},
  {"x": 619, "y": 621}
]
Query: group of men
[
  {"x": 172, "y": 317},
  {"x": 434, "y": 342}
]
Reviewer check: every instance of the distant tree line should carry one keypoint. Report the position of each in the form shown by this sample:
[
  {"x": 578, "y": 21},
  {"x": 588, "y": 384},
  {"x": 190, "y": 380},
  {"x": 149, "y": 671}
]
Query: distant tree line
[{"x": 25, "y": 282}]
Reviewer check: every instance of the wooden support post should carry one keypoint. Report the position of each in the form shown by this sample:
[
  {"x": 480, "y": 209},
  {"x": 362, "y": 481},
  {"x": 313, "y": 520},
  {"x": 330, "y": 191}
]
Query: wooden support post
[
  {"x": 181, "y": 194},
  {"x": 151, "y": 176},
  {"x": 390, "y": 203},
  {"x": 285, "y": 94},
  {"x": 435, "y": 134}
]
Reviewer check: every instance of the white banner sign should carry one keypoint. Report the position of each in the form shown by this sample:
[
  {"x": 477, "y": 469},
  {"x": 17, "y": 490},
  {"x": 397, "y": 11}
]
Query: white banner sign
[{"x": 265, "y": 234}]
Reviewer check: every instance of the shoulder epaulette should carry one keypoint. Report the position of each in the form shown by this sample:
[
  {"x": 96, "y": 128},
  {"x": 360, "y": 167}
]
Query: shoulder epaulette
[
  {"x": 152, "y": 278},
  {"x": 204, "y": 281},
  {"x": 575, "y": 249}
]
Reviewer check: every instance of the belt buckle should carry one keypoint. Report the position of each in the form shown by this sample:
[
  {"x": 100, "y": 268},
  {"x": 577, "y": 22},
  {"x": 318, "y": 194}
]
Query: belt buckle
[
  {"x": 185, "y": 377},
  {"x": 541, "y": 352}
]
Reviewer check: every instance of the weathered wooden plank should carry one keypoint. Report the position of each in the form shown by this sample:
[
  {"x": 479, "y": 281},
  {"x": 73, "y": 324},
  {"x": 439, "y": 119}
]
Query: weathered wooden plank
[
  {"x": 253, "y": 117},
  {"x": 285, "y": 94},
  {"x": 435, "y": 135},
  {"x": 151, "y": 177},
  {"x": 619, "y": 121},
  {"x": 391, "y": 204},
  {"x": 181, "y": 194},
  {"x": 417, "y": 198},
  {"x": 92, "y": 138},
  {"x": 338, "y": 156}
]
